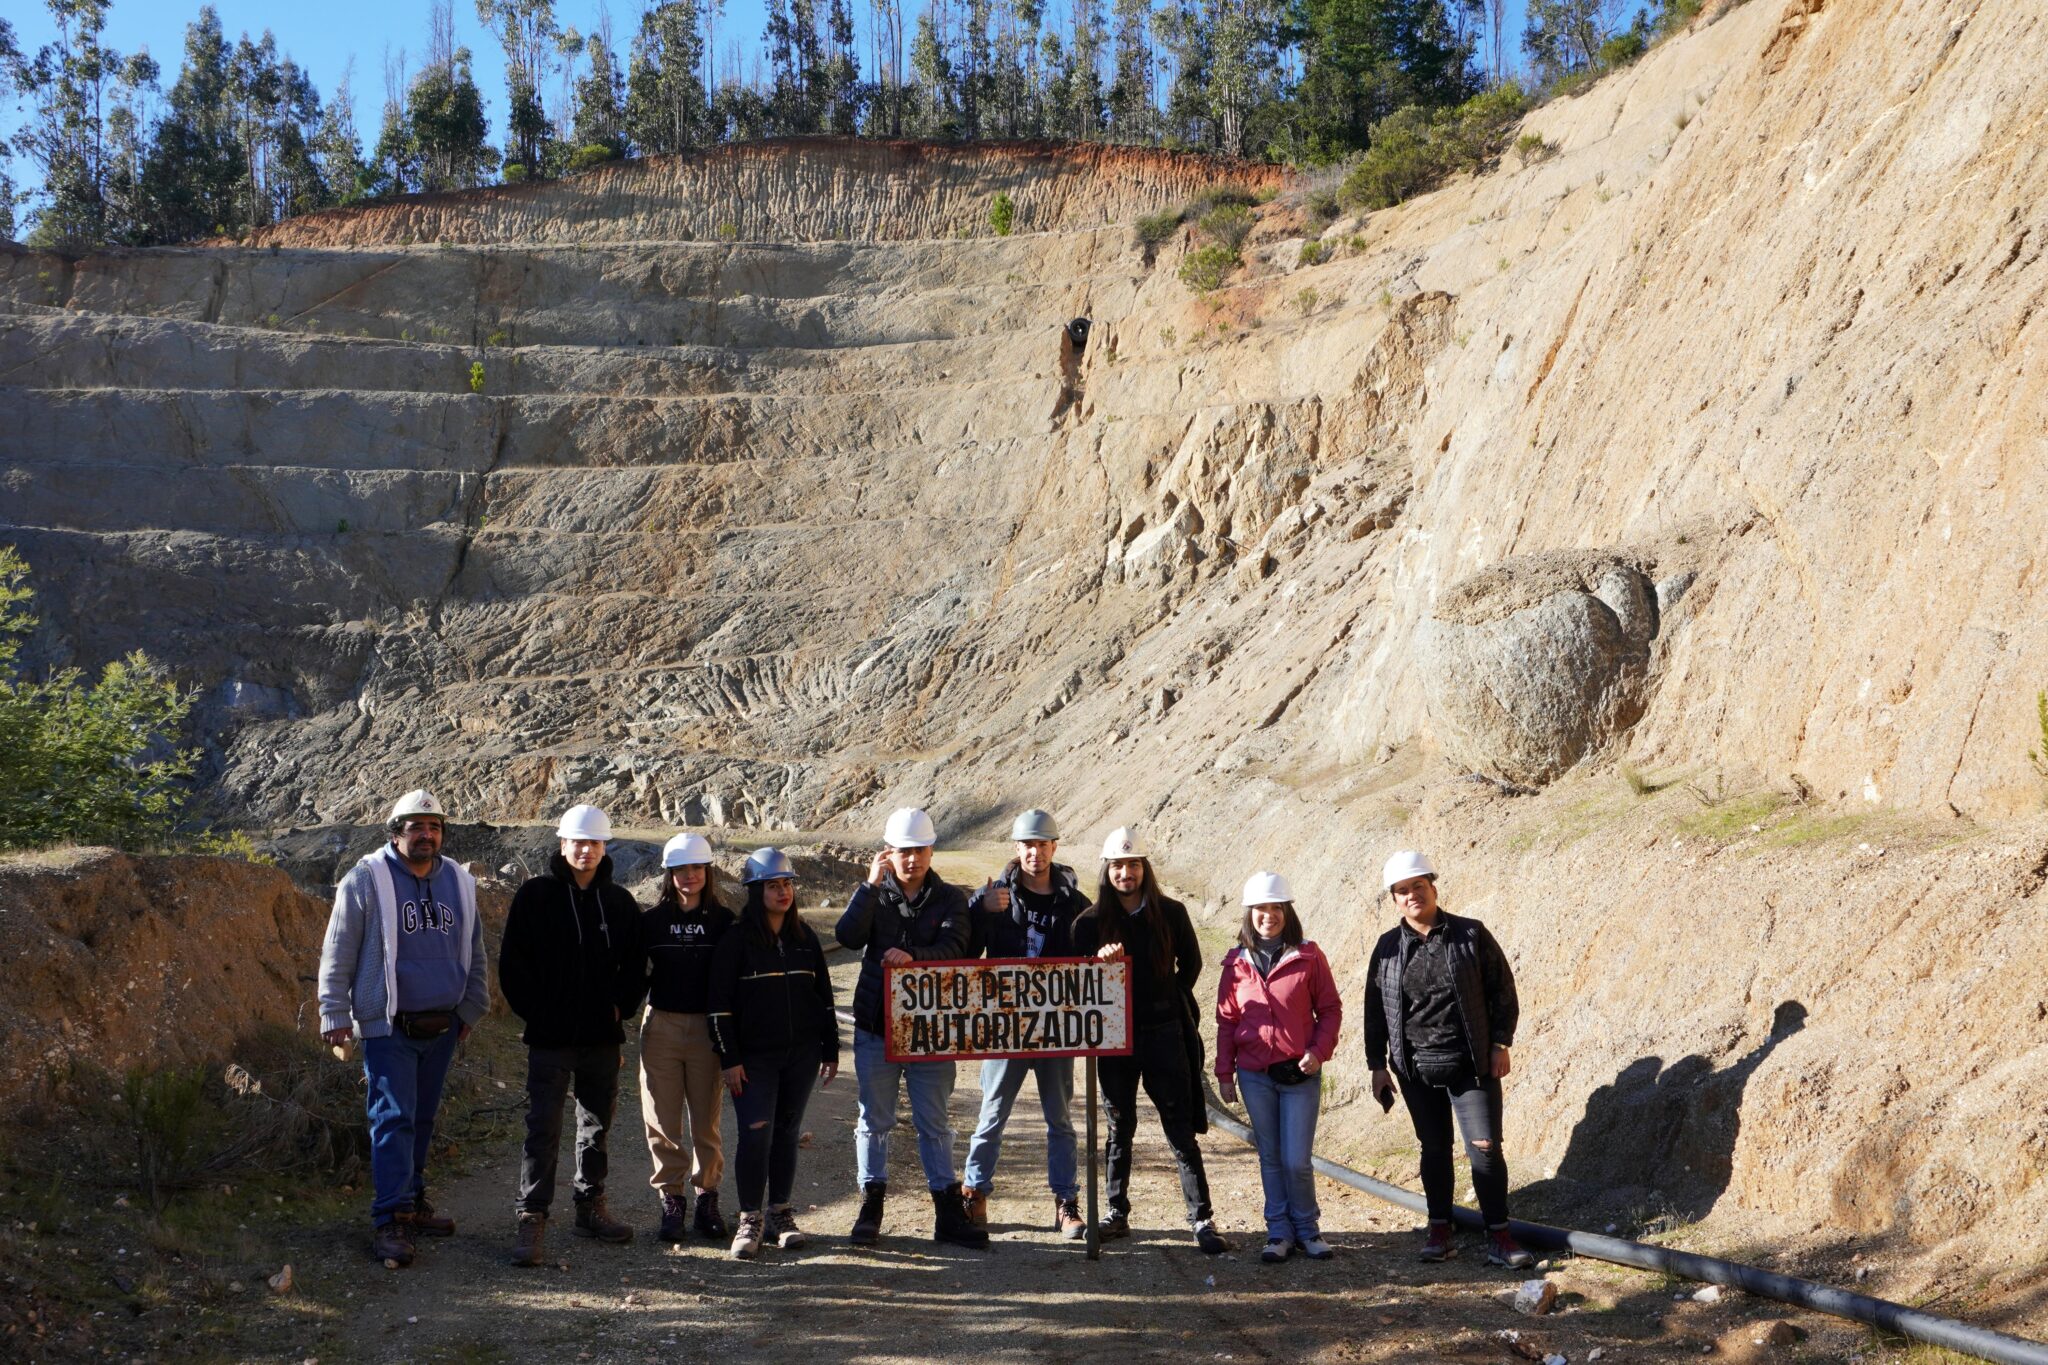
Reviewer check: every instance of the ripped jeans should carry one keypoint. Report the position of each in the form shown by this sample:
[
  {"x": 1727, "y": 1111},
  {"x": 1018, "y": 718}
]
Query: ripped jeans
[
  {"x": 1476, "y": 1104},
  {"x": 769, "y": 1111}
]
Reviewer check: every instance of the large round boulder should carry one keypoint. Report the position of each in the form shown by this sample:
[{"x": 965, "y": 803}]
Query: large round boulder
[{"x": 1539, "y": 662}]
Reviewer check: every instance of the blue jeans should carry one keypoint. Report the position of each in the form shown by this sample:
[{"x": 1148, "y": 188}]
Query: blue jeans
[
  {"x": 881, "y": 1080},
  {"x": 1001, "y": 1080},
  {"x": 1284, "y": 1130},
  {"x": 406, "y": 1076}
]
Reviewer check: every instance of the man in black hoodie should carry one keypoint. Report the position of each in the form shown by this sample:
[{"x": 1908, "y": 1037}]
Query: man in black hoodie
[
  {"x": 571, "y": 967},
  {"x": 904, "y": 912}
]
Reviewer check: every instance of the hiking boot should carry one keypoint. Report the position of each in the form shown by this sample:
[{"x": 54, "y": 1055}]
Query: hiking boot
[
  {"x": 1209, "y": 1240},
  {"x": 708, "y": 1221},
  {"x": 1502, "y": 1249},
  {"x": 949, "y": 1221},
  {"x": 781, "y": 1228},
  {"x": 1277, "y": 1250},
  {"x": 1438, "y": 1246},
  {"x": 675, "y": 1218},
  {"x": 974, "y": 1203},
  {"x": 424, "y": 1222},
  {"x": 1114, "y": 1226},
  {"x": 1066, "y": 1216},
  {"x": 593, "y": 1219},
  {"x": 867, "y": 1224},
  {"x": 388, "y": 1242},
  {"x": 526, "y": 1246},
  {"x": 1316, "y": 1249},
  {"x": 746, "y": 1243}
]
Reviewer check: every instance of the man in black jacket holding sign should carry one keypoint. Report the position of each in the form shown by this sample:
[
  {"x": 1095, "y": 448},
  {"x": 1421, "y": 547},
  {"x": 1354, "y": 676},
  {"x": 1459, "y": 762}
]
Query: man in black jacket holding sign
[
  {"x": 904, "y": 912},
  {"x": 572, "y": 968},
  {"x": 1029, "y": 912}
]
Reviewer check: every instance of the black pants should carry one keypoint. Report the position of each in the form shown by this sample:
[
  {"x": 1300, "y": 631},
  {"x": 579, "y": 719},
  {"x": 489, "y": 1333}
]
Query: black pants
[
  {"x": 1476, "y": 1104},
  {"x": 552, "y": 1073},
  {"x": 1159, "y": 1058},
  {"x": 770, "y": 1113}
]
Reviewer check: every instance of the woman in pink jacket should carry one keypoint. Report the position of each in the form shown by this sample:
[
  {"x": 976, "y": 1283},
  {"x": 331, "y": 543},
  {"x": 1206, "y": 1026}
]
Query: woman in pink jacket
[{"x": 1277, "y": 1015}]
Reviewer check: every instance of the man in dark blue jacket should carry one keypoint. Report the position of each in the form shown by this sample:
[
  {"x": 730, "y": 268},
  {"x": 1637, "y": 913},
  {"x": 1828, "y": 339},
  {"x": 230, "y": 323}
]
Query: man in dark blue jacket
[
  {"x": 1028, "y": 912},
  {"x": 904, "y": 912}
]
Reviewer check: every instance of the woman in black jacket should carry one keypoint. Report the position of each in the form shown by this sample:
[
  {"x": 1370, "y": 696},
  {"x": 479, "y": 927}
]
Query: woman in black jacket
[
  {"x": 1440, "y": 1006},
  {"x": 1131, "y": 919},
  {"x": 773, "y": 1025}
]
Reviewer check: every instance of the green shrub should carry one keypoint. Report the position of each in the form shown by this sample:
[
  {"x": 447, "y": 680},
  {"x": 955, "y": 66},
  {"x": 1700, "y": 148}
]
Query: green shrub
[
  {"x": 1155, "y": 228},
  {"x": 2039, "y": 757},
  {"x": 1312, "y": 253},
  {"x": 476, "y": 376},
  {"x": 163, "y": 1109},
  {"x": 1228, "y": 225},
  {"x": 1534, "y": 147},
  {"x": 95, "y": 763},
  {"x": 1623, "y": 48},
  {"x": 592, "y": 154},
  {"x": 1215, "y": 197},
  {"x": 1413, "y": 149},
  {"x": 1002, "y": 213},
  {"x": 514, "y": 173},
  {"x": 1206, "y": 268}
]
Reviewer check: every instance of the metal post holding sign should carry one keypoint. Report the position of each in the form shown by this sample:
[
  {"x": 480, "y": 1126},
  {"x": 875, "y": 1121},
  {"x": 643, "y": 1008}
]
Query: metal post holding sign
[
  {"x": 1026, "y": 1009},
  {"x": 1094, "y": 1208}
]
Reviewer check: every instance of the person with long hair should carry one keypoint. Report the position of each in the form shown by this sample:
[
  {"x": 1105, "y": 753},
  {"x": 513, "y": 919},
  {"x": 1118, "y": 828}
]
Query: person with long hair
[
  {"x": 1440, "y": 1014},
  {"x": 777, "y": 1036},
  {"x": 679, "y": 1068},
  {"x": 1134, "y": 921},
  {"x": 1277, "y": 1017}
]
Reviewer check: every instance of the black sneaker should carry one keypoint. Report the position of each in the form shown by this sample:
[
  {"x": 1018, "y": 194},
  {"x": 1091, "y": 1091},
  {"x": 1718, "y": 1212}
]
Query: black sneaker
[
  {"x": 1115, "y": 1226},
  {"x": 1209, "y": 1240},
  {"x": 867, "y": 1224}
]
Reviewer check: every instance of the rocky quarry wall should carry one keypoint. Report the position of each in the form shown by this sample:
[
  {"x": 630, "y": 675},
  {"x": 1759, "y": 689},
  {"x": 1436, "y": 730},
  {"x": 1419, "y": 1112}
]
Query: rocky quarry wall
[{"x": 1709, "y": 445}]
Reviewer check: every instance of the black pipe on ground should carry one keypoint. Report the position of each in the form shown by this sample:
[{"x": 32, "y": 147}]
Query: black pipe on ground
[{"x": 1879, "y": 1313}]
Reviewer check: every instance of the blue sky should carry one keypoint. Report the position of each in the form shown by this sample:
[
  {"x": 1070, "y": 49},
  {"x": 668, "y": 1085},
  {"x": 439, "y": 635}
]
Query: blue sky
[{"x": 325, "y": 37}]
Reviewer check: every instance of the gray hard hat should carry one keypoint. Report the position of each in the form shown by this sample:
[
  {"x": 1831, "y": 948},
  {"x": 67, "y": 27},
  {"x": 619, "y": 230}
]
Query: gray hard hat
[
  {"x": 1035, "y": 824},
  {"x": 767, "y": 865}
]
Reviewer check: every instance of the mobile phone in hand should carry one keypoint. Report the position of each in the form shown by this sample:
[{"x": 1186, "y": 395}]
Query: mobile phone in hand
[{"x": 1385, "y": 1095}]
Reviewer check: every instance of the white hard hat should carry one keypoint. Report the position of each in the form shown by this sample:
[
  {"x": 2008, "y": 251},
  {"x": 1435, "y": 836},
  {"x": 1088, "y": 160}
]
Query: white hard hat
[
  {"x": 417, "y": 802},
  {"x": 1267, "y": 888},
  {"x": 584, "y": 822},
  {"x": 909, "y": 828},
  {"x": 686, "y": 849},
  {"x": 1123, "y": 842},
  {"x": 1404, "y": 865}
]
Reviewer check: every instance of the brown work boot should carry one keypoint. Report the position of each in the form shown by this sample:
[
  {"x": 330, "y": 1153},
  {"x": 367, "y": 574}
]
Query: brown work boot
[
  {"x": 593, "y": 1219},
  {"x": 1066, "y": 1216},
  {"x": 526, "y": 1247},
  {"x": 424, "y": 1222},
  {"x": 388, "y": 1242},
  {"x": 974, "y": 1203}
]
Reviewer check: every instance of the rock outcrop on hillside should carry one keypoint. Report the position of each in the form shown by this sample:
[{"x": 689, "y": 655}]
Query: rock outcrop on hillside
[
  {"x": 117, "y": 962},
  {"x": 1707, "y": 443}
]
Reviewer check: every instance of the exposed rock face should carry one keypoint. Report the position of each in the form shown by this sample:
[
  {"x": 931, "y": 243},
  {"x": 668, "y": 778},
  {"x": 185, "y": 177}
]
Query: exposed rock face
[
  {"x": 120, "y": 961},
  {"x": 1539, "y": 662}
]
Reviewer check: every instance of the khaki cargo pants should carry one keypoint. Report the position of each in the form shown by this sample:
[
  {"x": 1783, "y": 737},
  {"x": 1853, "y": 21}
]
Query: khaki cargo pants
[{"x": 678, "y": 1070}]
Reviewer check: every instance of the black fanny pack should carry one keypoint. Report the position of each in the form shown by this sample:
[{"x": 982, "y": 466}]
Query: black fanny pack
[
  {"x": 423, "y": 1025},
  {"x": 1287, "y": 1072},
  {"x": 1452, "y": 1071}
]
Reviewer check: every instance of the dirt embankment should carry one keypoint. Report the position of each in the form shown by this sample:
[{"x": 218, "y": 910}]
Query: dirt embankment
[
  {"x": 795, "y": 190},
  {"x": 117, "y": 961}
]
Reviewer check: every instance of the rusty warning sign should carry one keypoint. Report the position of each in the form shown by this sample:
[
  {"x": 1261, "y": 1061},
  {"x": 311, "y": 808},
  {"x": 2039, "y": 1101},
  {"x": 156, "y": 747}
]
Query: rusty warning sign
[{"x": 1007, "y": 1007}]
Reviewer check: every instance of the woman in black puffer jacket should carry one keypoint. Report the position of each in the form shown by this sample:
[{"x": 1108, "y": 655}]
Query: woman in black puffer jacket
[{"x": 777, "y": 1035}]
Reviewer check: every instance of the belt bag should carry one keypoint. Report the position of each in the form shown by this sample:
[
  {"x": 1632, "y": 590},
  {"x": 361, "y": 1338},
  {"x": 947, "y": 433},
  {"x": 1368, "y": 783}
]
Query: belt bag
[
  {"x": 1287, "y": 1072},
  {"x": 422, "y": 1025}
]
